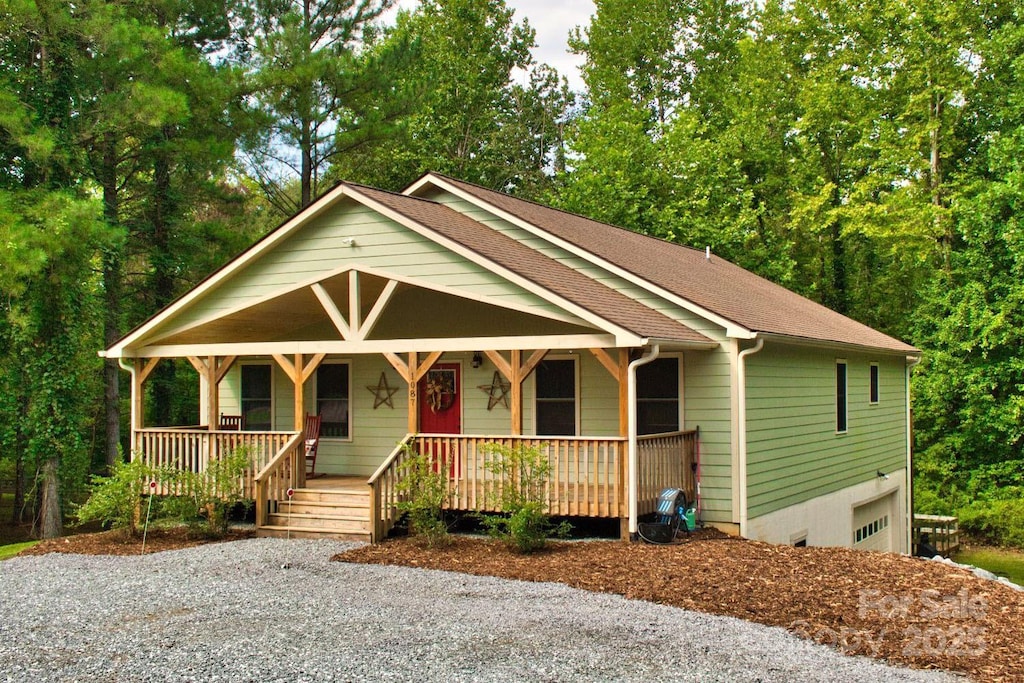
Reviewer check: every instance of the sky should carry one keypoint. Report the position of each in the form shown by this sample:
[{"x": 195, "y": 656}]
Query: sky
[{"x": 552, "y": 20}]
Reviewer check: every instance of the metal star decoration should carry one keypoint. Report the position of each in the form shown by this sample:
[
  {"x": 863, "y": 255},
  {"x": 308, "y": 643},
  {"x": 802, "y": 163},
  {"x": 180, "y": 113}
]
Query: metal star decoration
[
  {"x": 497, "y": 391},
  {"x": 382, "y": 393}
]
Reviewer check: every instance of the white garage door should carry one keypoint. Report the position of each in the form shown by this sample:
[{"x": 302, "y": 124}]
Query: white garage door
[{"x": 873, "y": 524}]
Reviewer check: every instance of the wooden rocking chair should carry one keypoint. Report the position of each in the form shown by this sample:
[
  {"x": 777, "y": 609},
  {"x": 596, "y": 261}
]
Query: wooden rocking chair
[
  {"x": 312, "y": 443},
  {"x": 234, "y": 423}
]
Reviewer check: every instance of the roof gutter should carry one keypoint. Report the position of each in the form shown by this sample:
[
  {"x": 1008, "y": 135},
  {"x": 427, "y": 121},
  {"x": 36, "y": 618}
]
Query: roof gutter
[
  {"x": 843, "y": 346},
  {"x": 632, "y": 447},
  {"x": 741, "y": 378}
]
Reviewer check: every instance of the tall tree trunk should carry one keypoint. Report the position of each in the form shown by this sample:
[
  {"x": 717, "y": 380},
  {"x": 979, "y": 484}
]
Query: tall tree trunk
[
  {"x": 18, "y": 514},
  {"x": 839, "y": 300},
  {"x": 162, "y": 282},
  {"x": 112, "y": 274},
  {"x": 306, "y": 145},
  {"x": 50, "y": 517}
]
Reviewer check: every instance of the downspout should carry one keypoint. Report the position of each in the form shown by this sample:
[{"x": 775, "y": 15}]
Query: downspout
[
  {"x": 134, "y": 418},
  {"x": 632, "y": 448},
  {"x": 741, "y": 418},
  {"x": 910, "y": 464}
]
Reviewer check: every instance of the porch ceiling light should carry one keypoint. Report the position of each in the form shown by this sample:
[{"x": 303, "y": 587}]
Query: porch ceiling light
[{"x": 478, "y": 359}]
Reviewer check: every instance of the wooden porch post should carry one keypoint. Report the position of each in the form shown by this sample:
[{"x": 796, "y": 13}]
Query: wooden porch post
[
  {"x": 620, "y": 371},
  {"x": 213, "y": 371},
  {"x": 298, "y": 372},
  {"x": 143, "y": 369},
  {"x": 412, "y": 372},
  {"x": 515, "y": 371}
]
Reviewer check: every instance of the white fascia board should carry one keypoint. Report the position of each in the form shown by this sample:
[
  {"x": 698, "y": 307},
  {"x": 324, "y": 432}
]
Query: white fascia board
[
  {"x": 376, "y": 272},
  {"x": 375, "y": 346},
  {"x": 837, "y": 346},
  {"x": 515, "y": 278},
  {"x": 732, "y": 329},
  {"x": 268, "y": 241}
]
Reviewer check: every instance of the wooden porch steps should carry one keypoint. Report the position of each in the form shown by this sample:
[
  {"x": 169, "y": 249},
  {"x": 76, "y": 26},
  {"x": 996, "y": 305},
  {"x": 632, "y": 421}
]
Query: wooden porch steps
[{"x": 321, "y": 513}]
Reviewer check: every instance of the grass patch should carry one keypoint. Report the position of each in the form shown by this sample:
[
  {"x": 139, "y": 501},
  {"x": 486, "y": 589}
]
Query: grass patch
[
  {"x": 12, "y": 549},
  {"x": 999, "y": 561}
]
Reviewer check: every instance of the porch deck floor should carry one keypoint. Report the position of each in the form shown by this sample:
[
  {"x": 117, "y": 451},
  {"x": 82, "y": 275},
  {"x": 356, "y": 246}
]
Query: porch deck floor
[{"x": 337, "y": 482}]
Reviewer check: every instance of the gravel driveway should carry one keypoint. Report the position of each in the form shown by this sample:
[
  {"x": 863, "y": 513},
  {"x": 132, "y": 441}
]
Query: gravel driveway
[{"x": 274, "y": 610}]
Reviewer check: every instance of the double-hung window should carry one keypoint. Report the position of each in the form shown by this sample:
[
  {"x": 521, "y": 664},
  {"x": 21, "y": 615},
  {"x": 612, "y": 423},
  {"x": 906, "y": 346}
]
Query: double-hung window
[
  {"x": 657, "y": 396},
  {"x": 556, "y": 397},
  {"x": 841, "y": 397},
  {"x": 257, "y": 401},
  {"x": 332, "y": 400}
]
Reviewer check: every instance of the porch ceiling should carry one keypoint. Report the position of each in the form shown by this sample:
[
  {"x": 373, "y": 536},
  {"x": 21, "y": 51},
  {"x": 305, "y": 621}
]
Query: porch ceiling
[{"x": 411, "y": 312}]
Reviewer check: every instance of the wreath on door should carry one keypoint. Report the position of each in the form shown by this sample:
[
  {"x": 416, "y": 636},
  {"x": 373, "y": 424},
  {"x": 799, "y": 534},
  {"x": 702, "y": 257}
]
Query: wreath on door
[{"x": 440, "y": 390}]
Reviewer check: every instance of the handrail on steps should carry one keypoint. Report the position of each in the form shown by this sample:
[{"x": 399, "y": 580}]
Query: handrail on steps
[
  {"x": 274, "y": 472},
  {"x": 384, "y": 492}
]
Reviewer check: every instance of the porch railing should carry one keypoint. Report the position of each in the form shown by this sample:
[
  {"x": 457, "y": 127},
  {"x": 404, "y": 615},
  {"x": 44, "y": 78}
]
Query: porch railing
[
  {"x": 665, "y": 460},
  {"x": 286, "y": 470},
  {"x": 384, "y": 491},
  {"x": 193, "y": 449},
  {"x": 588, "y": 474}
]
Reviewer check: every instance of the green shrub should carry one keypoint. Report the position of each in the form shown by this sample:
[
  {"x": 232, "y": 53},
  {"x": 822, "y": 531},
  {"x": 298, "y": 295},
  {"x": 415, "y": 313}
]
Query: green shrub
[
  {"x": 115, "y": 500},
  {"x": 211, "y": 494},
  {"x": 424, "y": 492},
  {"x": 1000, "y": 522},
  {"x": 523, "y": 472}
]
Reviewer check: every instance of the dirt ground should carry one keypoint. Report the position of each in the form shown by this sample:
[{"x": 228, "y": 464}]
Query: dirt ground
[
  {"x": 119, "y": 543},
  {"x": 905, "y": 610}
]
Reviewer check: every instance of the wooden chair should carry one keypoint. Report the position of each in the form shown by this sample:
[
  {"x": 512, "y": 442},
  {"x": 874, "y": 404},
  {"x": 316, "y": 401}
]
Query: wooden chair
[
  {"x": 234, "y": 423},
  {"x": 312, "y": 443}
]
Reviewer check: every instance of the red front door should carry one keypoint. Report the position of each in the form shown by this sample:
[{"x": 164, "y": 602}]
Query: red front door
[
  {"x": 441, "y": 411},
  {"x": 440, "y": 402}
]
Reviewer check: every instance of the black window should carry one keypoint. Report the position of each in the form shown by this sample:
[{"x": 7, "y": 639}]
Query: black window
[
  {"x": 657, "y": 396},
  {"x": 874, "y": 384},
  {"x": 332, "y": 402},
  {"x": 556, "y": 397},
  {"x": 256, "y": 397},
  {"x": 840, "y": 396}
]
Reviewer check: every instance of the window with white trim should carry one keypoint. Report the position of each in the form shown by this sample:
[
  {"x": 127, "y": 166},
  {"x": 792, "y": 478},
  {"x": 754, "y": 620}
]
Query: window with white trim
[
  {"x": 657, "y": 396},
  {"x": 555, "y": 380},
  {"x": 873, "y": 383},
  {"x": 841, "y": 397},
  {"x": 257, "y": 397},
  {"x": 333, "y": 388}
]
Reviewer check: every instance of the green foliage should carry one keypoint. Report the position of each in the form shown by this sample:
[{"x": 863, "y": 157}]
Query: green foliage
[
  {"x": 1000, "y": 522},
  {"x": 115, "y": 500},
  {"x": 1001, "y": 562},
  {"x": 424, "y": 490},
  {"x": 12, "y": 549},
  {"x": 523, "y": 474},
  {"x": 211, "y": 494}
]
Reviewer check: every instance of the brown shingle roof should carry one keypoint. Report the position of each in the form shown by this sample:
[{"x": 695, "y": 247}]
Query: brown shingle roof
[
  {"x": 526, "y": 262},
  {"x": 716, "y": 285}
]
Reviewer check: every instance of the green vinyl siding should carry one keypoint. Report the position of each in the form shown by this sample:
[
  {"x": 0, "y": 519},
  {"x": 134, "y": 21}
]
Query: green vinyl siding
[
  {"x": 707, "y": 404},
  {"x": 316, "y": 249},
  {"x": 793, "y": 450}
]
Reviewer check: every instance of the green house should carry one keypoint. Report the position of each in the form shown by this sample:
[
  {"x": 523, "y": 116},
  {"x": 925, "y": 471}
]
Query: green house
[{"x": 450, "y": 316}]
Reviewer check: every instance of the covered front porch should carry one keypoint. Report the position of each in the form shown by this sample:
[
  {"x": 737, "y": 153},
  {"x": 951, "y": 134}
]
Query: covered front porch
[
  {"x": 589, "y": 476},
  {"x": 391, "y": 357}
]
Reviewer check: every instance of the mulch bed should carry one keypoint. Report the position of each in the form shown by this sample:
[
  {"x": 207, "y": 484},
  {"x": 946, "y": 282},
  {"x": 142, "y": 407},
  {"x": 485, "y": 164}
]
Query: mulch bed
[
  {"x": 117, "y": 542},
  {"x": 905, "y": 610}
]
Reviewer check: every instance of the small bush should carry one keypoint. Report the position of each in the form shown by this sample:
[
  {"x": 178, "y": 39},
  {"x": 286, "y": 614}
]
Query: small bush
[
  {"x": 212, "y": 494},
  {"x": 525, "y": 524},
  {"x": 114, "y": 500},
  {"x": 1000, "y": 522},
  {"x": 425, "y": 493}
]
